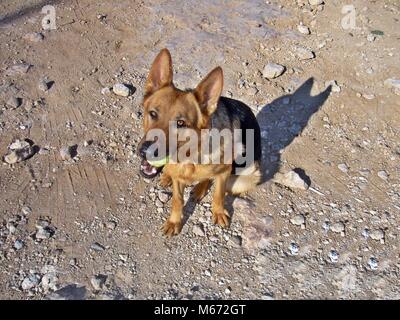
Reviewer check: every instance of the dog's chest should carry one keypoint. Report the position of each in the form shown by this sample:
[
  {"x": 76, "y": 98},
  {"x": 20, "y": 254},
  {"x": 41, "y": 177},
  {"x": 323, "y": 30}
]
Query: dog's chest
[{"x": 191, "y": 173}]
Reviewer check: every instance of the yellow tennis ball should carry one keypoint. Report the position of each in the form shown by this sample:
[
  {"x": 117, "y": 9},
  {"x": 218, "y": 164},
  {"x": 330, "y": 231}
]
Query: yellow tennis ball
[{"x": 159, "y": 163}]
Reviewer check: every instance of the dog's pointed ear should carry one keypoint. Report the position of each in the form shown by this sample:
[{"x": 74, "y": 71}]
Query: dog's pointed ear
[
  {"x": 161, "y": 73},
  {"x": 209, "y": 90}
]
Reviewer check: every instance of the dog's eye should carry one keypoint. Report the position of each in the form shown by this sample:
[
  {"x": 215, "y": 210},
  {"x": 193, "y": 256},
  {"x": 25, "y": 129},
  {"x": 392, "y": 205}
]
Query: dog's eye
[
  {"x": 180, "y": 123},
  {"x": 153, "y": 115}
]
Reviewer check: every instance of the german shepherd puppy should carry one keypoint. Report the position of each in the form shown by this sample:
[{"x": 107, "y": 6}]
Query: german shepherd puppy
[{"x": 197, "y": 109}]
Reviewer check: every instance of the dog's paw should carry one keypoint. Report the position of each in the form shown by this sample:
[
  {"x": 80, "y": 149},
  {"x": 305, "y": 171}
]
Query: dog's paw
[
  {"x": 172, "y": 228},
  {"x": 221, "y": 218},
  {"x": 165, "y": 181}
]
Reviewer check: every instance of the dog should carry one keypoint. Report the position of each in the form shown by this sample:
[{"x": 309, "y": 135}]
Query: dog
[{"x": 196, "y": 109}]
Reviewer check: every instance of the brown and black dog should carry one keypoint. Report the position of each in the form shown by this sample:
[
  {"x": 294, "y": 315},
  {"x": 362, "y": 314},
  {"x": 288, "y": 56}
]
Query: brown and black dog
[{"x": 198, "y": 109}]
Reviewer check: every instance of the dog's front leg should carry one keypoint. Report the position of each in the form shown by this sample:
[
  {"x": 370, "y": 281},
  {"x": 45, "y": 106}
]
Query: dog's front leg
[
  {"x": 220, "y": 215},
  {"x": 174, "y": 223}
]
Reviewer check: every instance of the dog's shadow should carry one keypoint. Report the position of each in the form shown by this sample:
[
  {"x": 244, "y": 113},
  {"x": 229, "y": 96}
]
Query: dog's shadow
[{"x": 281, "y": 121}]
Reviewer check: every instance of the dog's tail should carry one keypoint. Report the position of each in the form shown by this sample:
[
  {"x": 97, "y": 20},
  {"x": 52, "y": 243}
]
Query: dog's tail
[{"x": 245, "y": 181}]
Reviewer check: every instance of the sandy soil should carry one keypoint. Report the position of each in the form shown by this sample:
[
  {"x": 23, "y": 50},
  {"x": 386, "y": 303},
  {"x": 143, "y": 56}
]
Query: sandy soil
[{"x": 89, "y": 226}]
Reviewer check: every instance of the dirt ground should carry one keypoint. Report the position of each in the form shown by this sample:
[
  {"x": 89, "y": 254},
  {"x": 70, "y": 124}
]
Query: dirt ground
[{"x": 87, "y": 225}]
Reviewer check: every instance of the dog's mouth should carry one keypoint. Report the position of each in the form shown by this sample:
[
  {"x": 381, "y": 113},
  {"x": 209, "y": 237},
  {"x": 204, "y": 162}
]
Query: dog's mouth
[{"x": 149, "y": 171}]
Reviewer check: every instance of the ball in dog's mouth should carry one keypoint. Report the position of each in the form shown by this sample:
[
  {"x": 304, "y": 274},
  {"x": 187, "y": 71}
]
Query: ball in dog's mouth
[{"x": 147, "y": 170}]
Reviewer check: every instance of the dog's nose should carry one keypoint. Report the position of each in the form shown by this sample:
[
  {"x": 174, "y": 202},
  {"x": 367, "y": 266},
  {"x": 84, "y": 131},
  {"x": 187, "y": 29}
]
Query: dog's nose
[{"x": 143, "y": 148}]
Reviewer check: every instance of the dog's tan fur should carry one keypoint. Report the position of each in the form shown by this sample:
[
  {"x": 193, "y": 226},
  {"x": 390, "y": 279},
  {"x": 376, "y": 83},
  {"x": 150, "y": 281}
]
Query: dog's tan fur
[{"x": 194, "y": 108}]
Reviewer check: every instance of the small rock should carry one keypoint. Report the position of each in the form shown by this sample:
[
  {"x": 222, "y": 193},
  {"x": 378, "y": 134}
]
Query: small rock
[
  {"x": 106, "y": 91},
  {"x": 69, "y": 152},
  {"x": 273, "y": 70},
  {"x": 111, "y": 225},
  {"x": 163, "y": 196},
  {"x": 26, "y": 210},
  {"x": 304, "y": 53},
  {"x": 333, "y": 256},
  {"x": 98, "y": 281},
  {"x": 343, "y": 167},
  {"x": 49, "y": 282},
  {"x": 371, "y": 37},
  {"x": 383, "y": 175},
  {"x": 18, "y": 244},
  {"x": 368, "y": 96},
  {"x": 97, "y": 247},
  {"x": 30, "y": 282},
  {"x": 377, "y": 234},
  {"x": 338, "y": 227},
  {"x": 236, "y": 241},
  {"x": 34, "y": 37},
  {"x": 373, "y": 263},
  {"x": 43, "y": 233},
  {"x": 315, "y": 2},
  {"x": 198, "y": 230},
  {"x": 303, "y": 29},
  {"x": 43, "y": 85},
  {"x": 291, "y": 180},
  {"x": 20, "y": 151},
  {"x": 294, "y": 248},
  {"x": 14, "y": 102},
  {"x": 334, "y": 86},
  {"x": 121, "y": 90},
  {"x": 17, "y": 69},
  {"x": 298, "y": 220},
  {"x": 392, "y": 83}
]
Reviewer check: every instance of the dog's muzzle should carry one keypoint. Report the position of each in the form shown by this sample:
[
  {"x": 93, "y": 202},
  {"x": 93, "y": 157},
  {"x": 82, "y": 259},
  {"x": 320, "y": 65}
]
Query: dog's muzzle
[{"x": 146, "y": 169}]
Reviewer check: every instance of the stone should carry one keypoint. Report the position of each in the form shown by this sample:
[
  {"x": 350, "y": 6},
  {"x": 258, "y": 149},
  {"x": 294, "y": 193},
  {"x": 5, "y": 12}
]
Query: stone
[
  {"x": 43, "y": 233},
  {"x": 20, "y": 151},
  {"x": 163, "y": 196},
  {"x": 383, "y": 175},
  {"x": 18, "y": 244},
  {"x": 392, "y": 83},
  {"x": 98, "y": 281},
  {"x": 67, "y": 153},
  {"x": 49, "y": 281},
  {"x": 30, "y": 282},
  {"x": 334, "y": 86},
  {"x": 97, "y": 247},
  {"x": 273, "y": 70},
  {"x": 333, "y": 256},
  {"x": 304, "y": 53},
  {"x": 198, "y": 230},
  {"x": 43, "y": 85},
  {"x": 14, "y": 102},
  {"x": 338, "y": 227},
  {"x": 294, "y": 248},
  {"x": 34, "y": 37},
  {"x": 111, "y": 225},
  {"x": 371, "y": 37},
  {"x": 315, "y": 2},
  {"x": 377, "y": 234},
  {"x": 236, "y": 241},
  {"x": 303, "y": 29},
  {"x": 298, "y": 220},
  {"x": 18, "y": 69},
  {"x": 343, "y": 167},
  {"x": 291, "y": 180},
  {"x": 121, "y": 90},
  {"x": 373, "y": 263},
  {"x": 106, "y": 91}
]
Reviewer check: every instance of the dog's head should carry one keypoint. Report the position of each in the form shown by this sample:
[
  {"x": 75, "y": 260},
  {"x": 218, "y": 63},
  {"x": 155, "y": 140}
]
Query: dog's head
[{"x": 164, "y": 105}]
